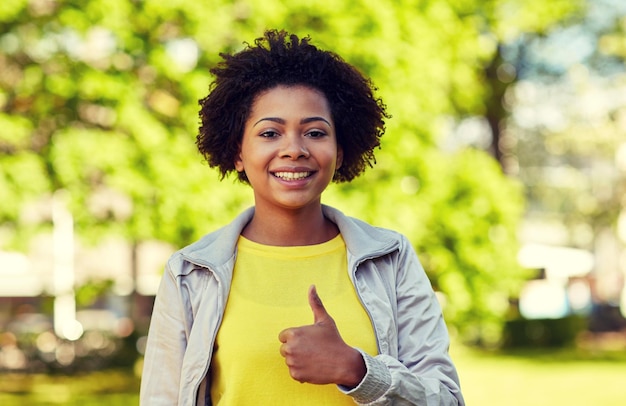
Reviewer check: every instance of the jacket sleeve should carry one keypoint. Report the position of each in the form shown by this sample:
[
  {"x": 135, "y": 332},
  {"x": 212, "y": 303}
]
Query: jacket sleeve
[
  {"x": 422, "y": 373},
  {"x": 165, "y": 347}
]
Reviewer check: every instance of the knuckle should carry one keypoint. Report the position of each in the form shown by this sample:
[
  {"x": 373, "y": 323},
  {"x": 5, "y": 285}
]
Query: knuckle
[{"x": 297, "y": 375}]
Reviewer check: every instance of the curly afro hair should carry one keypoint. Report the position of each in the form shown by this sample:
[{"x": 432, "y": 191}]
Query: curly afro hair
[{"x": 279, "y": 58}]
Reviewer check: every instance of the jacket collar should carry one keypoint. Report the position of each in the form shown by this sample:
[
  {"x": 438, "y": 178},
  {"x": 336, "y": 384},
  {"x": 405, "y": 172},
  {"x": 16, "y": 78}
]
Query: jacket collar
[
  {"x": 362, "y": 239},
  {"x": 218, "y": 248}
]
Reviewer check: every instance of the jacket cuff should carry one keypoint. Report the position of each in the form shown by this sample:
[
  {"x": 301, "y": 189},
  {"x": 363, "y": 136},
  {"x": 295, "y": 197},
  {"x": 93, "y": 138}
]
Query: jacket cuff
[{"x": 375, "y": 383}]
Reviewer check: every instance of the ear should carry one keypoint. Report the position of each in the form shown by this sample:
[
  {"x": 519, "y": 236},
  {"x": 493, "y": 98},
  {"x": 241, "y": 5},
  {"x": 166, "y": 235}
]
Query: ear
[
  {"x": 239, "y": 161},
  {"x": 339, "y": 157}
]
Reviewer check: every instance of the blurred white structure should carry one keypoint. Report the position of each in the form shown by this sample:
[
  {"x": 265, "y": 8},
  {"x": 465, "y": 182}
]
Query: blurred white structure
[
  {"x": 65, "y": 323},
  {"x": 17, "y": 277},
  {"x": 559, "y": 263},
  {"x": 555, "y": 295}
]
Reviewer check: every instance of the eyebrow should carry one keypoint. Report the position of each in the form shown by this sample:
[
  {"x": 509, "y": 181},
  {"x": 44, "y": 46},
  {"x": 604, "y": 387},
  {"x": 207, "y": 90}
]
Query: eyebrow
[{"x": 303, "y": 121}]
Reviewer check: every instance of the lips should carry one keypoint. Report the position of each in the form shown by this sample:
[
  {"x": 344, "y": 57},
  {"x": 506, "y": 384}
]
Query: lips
[{"x": 292, "y": 175}]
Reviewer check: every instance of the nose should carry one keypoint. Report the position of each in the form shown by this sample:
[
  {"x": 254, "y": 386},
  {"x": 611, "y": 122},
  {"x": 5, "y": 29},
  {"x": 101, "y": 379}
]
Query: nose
[{"x": 293, "y": 147}]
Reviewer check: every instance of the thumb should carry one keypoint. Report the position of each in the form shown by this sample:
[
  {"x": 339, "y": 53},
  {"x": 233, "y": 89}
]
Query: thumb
[{"x": 319, "y": 311}]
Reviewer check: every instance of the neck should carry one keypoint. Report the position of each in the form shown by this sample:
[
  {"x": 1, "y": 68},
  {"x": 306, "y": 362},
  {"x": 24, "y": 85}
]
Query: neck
[{"x": 306, "y": 226}]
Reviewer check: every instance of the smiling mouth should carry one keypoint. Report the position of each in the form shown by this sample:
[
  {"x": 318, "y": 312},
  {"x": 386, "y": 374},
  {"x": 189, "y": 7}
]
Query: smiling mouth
[{"x": 292, "y": 175}]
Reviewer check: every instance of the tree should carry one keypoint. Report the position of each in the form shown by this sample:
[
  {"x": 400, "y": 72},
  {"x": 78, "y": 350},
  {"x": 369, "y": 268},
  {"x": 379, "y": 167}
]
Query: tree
[
  {"x": 567, "y": 123},
  {"x": 99, "y": 98}
]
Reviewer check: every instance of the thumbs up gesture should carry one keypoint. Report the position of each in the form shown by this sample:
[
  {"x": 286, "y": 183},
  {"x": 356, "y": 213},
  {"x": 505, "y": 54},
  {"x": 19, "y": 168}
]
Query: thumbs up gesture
[{"x": 317, "y": 354}]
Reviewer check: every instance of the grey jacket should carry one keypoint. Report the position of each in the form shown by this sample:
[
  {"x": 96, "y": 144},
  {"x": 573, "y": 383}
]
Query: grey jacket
[{"x": 413, "y": 367}]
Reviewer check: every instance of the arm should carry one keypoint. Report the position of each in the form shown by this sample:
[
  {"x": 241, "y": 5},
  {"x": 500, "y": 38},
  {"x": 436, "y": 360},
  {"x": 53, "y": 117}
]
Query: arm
[
  {"x": 165, "y": 347},
  {"x": 421, "y": 373}
]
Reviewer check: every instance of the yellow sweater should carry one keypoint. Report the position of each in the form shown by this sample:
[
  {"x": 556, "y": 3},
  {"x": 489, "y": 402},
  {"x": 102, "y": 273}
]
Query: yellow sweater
[{"x": 269, "y": 294}]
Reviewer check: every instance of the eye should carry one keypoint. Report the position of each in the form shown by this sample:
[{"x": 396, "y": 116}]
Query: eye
[
  {"x": 315, "y": 134},
  {"x": 269, "y": 134}
]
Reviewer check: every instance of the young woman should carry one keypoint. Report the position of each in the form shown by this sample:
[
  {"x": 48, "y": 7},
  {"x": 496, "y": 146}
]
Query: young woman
[{"x": 239, "y": 317}]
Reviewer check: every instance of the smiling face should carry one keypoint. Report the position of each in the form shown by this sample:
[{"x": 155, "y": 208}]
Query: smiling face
[{"x": 289, "y": 149}]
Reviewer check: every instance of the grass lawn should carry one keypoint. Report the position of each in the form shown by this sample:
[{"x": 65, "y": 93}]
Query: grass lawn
[
  {"x": 93, "y": 389},
  {"x": 542, "y": 378},
  {"x": 528, "y": 378}
]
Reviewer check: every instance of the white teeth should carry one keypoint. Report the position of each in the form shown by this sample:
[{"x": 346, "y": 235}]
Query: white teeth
[{"x": 292, "y": 175}]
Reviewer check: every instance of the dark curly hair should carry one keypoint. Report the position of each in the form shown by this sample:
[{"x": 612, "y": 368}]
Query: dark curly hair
[{"x": 279, "y": 58}]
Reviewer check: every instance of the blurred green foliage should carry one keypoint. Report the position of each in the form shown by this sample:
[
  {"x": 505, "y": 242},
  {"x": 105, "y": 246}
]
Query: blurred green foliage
[
  {"x": 90, "y": 291},
  {"x": 99, "y": 97},
  {"x": 569, "y": 140}
]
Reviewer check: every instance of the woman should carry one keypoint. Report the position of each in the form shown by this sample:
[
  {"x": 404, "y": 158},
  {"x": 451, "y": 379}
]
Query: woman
[{"x": 238, "y": 318}]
